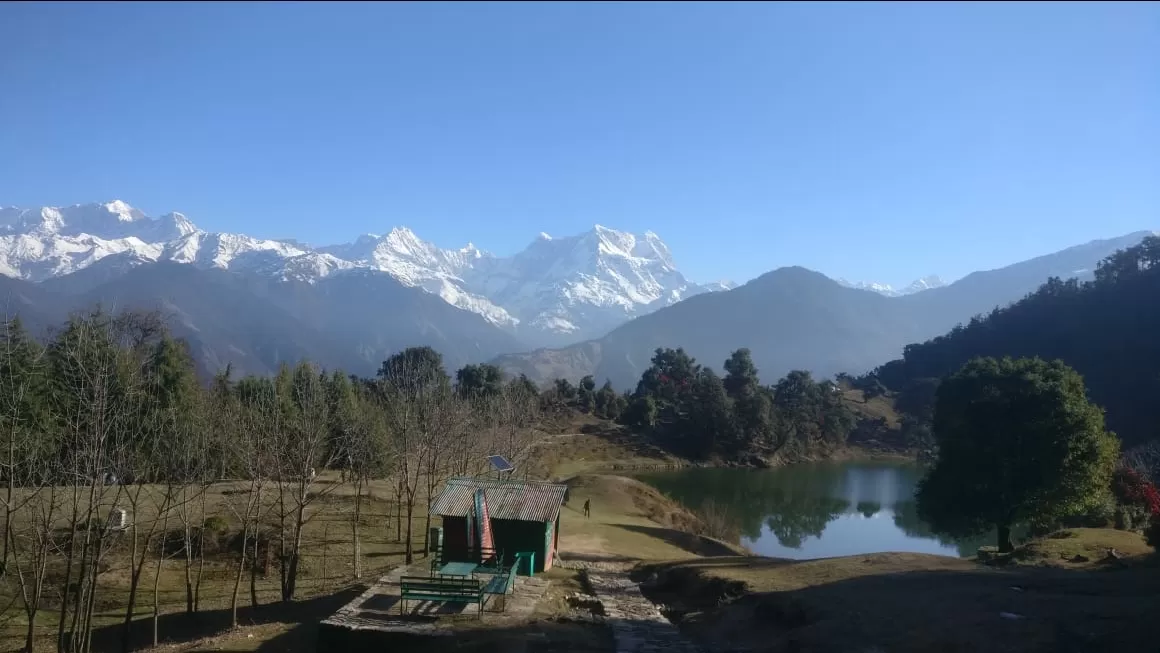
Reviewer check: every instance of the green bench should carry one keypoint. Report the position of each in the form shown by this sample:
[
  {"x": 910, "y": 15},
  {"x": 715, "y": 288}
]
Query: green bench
[
  {"x": 451, "y": 590},
  {"x": 500, "y": 584}
]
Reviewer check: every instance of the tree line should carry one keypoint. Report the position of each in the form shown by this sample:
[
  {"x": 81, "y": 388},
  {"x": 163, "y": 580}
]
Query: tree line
[
  {"x": 692, "y": 411},
  {"x": 1105, "y": 329},
  {"x": 107, "y": 414}
]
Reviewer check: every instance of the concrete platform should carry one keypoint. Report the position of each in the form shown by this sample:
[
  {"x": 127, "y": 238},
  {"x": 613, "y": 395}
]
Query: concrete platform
[{"x": 373, "y": 619}]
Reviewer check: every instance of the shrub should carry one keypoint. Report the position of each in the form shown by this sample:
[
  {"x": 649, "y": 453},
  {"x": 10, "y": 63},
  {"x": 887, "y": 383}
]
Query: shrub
[
  {"x": 1131, "y": 489},
  {"x": 215, "y": 525},
  {"x": 1099, "y": 514},
  {"x": 719, "y": 524},
  {"x": 1130, "y": 518}
]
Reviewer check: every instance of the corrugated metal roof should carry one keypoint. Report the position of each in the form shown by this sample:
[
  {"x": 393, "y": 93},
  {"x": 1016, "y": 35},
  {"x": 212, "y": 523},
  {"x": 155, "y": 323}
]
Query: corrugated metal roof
[{"x": 522, "y": 500}]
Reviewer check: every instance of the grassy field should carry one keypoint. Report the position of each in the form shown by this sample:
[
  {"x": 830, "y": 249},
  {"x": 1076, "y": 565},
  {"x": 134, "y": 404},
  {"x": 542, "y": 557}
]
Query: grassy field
[
  {"x": 881, "y": 407},
  {"x": 327, "y": 568},
  {"x": 630, "y": 521},
  {"x": 581, "y": 444},
  {"x": 903, "y": 602},
  {"x": 327, "y": 571}
]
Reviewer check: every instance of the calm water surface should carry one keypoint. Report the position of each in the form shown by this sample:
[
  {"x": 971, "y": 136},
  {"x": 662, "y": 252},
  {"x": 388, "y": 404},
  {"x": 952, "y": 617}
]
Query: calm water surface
[{"x": 816, "y": 510}]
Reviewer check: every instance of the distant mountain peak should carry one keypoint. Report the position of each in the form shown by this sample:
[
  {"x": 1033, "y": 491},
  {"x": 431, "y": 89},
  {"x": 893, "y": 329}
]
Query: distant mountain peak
[
  {"x": 924, "y": 283},
  {"x": 123, "y": 211},
  {"x": 918, "y": 285},
  {"x": 403, "y": 239}
]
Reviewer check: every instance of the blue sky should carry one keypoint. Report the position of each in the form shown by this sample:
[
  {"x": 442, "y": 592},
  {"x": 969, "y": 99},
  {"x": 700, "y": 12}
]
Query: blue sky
[{"x": 878, "y": 142}]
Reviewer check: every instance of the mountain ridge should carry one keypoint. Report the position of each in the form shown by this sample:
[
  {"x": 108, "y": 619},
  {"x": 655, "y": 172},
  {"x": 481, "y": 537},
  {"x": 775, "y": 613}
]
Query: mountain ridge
[
  {"x": 596, "y": 303},
  {"x": 351, "y": 322},
  {"x": 555, "y": 291},
  {"x": 794, "y": 318}
]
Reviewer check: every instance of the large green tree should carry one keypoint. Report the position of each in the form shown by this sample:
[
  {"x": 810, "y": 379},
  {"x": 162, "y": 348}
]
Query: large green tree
[
  {"x": 1018, "y": 442},
  {"x": 709, "y": 429},
  {"x": 752, "y": 403},
  {"x": 608, "y": 404},
  {"x": 417, "y": 368},
  {"x": 482, "y": 380}
]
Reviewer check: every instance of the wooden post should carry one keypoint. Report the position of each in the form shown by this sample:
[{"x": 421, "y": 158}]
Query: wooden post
[{"x": 325, "y": 546}]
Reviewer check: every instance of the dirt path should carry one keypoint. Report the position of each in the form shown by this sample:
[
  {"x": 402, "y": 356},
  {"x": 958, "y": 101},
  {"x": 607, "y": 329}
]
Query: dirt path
[{"x": 637, "y": 624}]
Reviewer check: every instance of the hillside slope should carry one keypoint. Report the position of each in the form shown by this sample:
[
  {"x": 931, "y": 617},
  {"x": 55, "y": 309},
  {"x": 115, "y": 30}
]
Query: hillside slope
[
  {"x": 1106, "y": 329},
  {"x": 791, "y": 318},
  {"x": 352, "y": 321}
]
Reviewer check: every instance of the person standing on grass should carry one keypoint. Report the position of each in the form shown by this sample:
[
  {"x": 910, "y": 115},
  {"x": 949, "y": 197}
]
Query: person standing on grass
[{"x": 587, "y": 507}]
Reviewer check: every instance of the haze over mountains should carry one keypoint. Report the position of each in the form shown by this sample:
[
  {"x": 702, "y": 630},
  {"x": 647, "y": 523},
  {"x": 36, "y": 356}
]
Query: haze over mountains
[{"x": 602, "y": 300}]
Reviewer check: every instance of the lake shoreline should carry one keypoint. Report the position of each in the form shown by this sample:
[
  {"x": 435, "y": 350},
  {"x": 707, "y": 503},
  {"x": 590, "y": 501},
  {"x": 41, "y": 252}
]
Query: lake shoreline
[
  {"x": 824, "y": 508},
  {"x": 844, "y": 454}
]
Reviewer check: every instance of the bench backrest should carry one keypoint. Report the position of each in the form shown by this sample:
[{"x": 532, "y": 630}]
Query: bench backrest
[
  {"x": 465, "y": 555},
  {"x": 441, "y": 581},
  {"x": 440, "y": 585}
]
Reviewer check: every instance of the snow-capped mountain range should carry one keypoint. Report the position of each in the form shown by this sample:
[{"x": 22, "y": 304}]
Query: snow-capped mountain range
[
  {"x": 556, "y": 290},
  {"x": 918, "y": 285}
]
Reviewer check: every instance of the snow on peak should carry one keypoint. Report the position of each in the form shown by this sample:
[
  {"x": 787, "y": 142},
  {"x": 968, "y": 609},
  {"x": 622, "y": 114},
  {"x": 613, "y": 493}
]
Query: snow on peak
[
  {"x": 918, "y": 285},
  {"x": 720, "y": 284},
  {"x": 124, "y": 212},
  {"x": 924, "y": 283},
  {"x": 578, "y": 286},
  {"x": 180, "y": 224},
  {"x": 415, "y": 262},
  {"x": 404, "y": 240},
  {"x": 54, "y": 241}
]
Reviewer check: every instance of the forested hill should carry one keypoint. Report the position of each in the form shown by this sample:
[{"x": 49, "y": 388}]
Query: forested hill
[{"x": 1108, "y": 329}]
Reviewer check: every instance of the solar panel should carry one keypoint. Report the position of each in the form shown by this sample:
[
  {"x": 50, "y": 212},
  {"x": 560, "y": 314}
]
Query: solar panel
[{"x": 500, "y": 463}]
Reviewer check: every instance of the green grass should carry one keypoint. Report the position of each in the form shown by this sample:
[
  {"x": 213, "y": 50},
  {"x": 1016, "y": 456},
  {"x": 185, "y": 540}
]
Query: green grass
[
  {"x": 630, "y": 521},
  {"x": 1060, "y": 549}
]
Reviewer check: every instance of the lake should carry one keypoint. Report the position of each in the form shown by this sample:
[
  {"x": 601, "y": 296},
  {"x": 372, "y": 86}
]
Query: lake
[{"x": 815, "y": 510}]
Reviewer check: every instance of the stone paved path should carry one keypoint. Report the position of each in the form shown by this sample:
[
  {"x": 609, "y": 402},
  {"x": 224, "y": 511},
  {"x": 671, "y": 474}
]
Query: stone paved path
[{"x": 637, "y": 624}]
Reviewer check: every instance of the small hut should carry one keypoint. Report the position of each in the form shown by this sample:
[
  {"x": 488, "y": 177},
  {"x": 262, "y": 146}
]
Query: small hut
[{"x": 524, "y": 515}]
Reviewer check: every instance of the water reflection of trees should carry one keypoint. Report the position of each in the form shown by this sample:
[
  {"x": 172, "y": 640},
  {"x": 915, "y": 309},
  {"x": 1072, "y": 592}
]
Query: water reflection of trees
[
  {"x": 793, "y": 505},
  {"x": 796, "y": 503},
  {"x": 906, "y": 519},
  {"x": 796, "y": 519}
]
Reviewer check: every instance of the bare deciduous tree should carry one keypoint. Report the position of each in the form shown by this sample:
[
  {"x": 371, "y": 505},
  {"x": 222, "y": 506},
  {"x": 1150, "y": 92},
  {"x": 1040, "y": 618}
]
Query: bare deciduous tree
[{"x": 302, "y": 448}]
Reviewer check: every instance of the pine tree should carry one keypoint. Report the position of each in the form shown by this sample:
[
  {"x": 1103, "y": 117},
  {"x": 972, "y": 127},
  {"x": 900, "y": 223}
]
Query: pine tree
[{"x": 587, "y": 393}]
